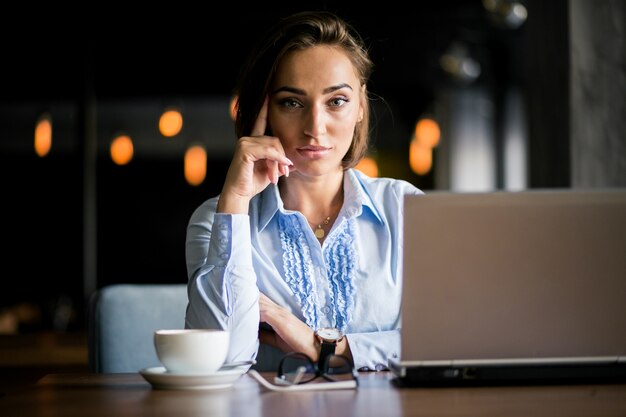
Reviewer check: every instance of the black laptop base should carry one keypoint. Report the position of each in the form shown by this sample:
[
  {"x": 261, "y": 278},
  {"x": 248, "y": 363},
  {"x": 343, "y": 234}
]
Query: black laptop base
[{"x": 448, "y": 376}]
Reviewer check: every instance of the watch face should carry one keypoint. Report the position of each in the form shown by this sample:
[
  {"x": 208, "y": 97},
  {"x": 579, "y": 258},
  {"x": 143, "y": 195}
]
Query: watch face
[{"x": 329, "y": 333}]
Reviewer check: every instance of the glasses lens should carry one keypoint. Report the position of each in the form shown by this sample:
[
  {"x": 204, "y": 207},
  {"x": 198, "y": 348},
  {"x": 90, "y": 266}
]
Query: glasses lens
[
  {"x": 297, "y": 368},
  {"x": 338, "y": 368}
]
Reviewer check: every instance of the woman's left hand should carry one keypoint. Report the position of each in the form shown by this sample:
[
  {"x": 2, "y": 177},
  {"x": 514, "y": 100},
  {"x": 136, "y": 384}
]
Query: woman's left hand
[{"x": 291, "y": 333}]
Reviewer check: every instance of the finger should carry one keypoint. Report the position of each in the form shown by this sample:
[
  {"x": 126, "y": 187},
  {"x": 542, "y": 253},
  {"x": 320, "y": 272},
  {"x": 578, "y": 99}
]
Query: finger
[
  {"x": 257, "y": 149},
  {"x": 277, "y": 156},
  {"x": 264, "y": 301},
  {"x": 272, "y": 171},
  {"x": 261, "y": 121},
  {"x": 262, "y": 298},
  {"x": 290, "y": 168}
]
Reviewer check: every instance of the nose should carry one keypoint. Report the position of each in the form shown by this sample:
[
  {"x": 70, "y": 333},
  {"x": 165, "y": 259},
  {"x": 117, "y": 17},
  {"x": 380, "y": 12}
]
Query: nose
[{"x": 315, "y": 122}]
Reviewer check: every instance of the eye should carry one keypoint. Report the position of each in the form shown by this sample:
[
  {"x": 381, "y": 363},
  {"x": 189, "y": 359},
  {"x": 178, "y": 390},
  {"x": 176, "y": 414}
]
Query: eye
[
  {"x": 338, "y": 101},
  {"x": 290, "y": 103}
]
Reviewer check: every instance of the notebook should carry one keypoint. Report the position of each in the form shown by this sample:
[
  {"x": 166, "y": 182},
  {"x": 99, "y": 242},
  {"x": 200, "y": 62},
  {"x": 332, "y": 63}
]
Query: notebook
[{"x": 513, "y": 287}]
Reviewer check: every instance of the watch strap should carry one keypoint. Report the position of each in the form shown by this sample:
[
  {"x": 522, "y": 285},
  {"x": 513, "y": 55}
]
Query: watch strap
[{"x": 328, "y": 348}]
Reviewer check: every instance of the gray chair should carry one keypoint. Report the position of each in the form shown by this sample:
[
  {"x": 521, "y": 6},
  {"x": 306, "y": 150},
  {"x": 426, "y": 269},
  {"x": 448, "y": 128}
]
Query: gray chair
[{"x": 122, "y": 320}]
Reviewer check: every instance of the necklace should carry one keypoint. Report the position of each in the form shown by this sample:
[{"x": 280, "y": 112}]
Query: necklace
[{"x": 319, "y": 231}]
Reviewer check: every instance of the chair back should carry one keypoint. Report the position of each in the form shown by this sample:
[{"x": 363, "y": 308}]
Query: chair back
[{"x": 122, "y": 321}]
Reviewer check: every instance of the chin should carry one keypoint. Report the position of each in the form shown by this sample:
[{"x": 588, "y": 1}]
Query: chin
[{"x": 317, "y": 170}]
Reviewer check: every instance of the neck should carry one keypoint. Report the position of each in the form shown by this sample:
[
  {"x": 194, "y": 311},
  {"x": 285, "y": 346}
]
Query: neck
[{"x": 316, "y": 198}]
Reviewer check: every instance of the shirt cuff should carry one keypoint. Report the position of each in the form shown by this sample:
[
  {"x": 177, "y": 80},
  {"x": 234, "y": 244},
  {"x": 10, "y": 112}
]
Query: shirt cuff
[{"x": 372, "y": 351}]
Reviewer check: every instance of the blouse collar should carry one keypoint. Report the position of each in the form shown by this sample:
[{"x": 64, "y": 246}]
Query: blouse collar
[{"x": 356, "y": 198}]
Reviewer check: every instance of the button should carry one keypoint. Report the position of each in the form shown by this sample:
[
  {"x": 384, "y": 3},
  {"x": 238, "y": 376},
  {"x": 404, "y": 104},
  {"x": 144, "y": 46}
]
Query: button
[
  {"x": 326, "y": 309},
  {"x": 223, "y": 226},
  {"x": 223, "y": 240},
  {"x": 224, "y": 256}
]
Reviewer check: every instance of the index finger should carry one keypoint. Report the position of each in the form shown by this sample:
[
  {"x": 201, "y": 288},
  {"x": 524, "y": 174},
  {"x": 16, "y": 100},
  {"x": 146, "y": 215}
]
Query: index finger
[{"x": 261, "y": 120}]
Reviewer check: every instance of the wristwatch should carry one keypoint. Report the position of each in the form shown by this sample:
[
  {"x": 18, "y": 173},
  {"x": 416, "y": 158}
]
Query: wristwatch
[{"x": 328, "y": 337}]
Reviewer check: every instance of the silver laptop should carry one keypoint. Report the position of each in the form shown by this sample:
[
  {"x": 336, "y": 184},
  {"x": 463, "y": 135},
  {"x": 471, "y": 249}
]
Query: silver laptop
[{"x": 514, "y": 287}]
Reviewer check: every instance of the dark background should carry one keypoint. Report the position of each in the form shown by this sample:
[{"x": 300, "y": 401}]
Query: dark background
[
  {"x": 104, "y": 51},
  {"x": 197, "y": 52}
]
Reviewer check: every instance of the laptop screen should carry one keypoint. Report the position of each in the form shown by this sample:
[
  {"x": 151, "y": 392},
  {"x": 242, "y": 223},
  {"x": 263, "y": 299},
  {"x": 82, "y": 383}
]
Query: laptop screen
[{"x": 501, "y": 275}]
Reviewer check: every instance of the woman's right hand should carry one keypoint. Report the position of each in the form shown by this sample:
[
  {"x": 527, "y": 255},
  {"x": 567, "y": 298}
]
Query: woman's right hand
[{"x": 258, "y": 160}]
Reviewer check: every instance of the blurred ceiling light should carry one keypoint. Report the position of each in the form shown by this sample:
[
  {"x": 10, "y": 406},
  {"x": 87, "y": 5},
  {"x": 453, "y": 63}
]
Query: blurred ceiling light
[
  {"x": 122, "y": 149},
  {"x": 457, "y": 62},
  {"x": 427, "y": 132},
  {"x": 506, "y": 13},
  {"x": 420, "y": 158},
  {"x": 43, "y": 135},
  {"x": 233, "y": 107},
  {"x": 195, "y": 165},
  {"x": 368, "y": 166},
  {"x": 170, "y": 123}
]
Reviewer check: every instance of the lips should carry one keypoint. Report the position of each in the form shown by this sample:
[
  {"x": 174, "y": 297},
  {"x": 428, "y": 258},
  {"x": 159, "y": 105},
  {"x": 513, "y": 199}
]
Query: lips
[
  {"x": 313, "y": 151},
  {"x": 313, "y": 148}
]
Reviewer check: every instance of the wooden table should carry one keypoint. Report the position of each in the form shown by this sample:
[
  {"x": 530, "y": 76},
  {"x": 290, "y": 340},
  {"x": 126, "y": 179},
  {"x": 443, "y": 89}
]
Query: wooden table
[
  {"x": 119, "y": 395},
  {"x": 27, "y": 357}
]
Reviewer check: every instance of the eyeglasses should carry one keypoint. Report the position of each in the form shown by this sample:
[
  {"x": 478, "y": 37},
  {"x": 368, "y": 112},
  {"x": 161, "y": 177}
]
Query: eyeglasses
[{"x": 297, "y": 368}]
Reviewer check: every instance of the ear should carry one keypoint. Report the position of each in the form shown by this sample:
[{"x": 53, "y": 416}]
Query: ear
[{"x": 362, "y": 98}]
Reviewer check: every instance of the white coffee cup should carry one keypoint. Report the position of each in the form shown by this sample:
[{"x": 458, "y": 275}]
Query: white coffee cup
[{"x": 192, "y": 350}]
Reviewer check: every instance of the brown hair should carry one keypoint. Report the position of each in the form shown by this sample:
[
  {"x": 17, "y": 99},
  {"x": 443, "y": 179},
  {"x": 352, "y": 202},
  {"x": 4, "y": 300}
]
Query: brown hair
[{"x": 300, "y": 31}]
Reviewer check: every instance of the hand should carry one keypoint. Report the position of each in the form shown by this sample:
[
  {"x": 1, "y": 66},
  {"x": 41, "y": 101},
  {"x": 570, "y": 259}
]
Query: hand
[
  {"x": 290, "y": 333},
  {"x": 258, "y": 160}
]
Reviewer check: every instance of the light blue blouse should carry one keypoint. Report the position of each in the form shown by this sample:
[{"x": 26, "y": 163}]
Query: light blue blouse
[{"x": 353, "y": 281}]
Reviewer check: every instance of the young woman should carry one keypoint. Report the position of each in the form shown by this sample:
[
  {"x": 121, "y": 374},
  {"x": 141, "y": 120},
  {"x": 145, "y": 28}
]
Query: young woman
[{"x": 300, "y": 251}]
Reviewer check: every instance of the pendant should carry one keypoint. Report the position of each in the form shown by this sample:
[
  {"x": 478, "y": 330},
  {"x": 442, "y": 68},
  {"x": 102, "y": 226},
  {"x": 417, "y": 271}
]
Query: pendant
[{"x": 319, "y": 232}]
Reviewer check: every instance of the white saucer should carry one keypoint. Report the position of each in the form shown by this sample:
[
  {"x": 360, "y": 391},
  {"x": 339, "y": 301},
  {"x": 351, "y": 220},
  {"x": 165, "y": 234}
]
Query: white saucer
[{"x": 160, "y": 378}]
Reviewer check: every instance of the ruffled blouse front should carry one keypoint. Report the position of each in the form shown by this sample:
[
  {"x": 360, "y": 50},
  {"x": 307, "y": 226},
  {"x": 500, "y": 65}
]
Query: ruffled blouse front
[{"x": 340, "y": 261}]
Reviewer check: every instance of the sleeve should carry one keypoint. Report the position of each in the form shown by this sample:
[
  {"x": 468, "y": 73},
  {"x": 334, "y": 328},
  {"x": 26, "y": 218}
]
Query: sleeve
[
  {"x": 371, "y": 351},
  {"x": 221, "y": 280}
]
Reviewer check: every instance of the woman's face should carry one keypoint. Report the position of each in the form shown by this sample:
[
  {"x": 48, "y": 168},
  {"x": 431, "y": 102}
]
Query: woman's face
[{"x": 314, "y": 105}]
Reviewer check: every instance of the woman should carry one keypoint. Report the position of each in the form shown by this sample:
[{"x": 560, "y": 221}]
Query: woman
[{"x": 298, "y": 240}]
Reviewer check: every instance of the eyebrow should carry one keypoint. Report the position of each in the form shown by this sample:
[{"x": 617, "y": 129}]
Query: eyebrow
[{"x": 301, "y": 92}]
